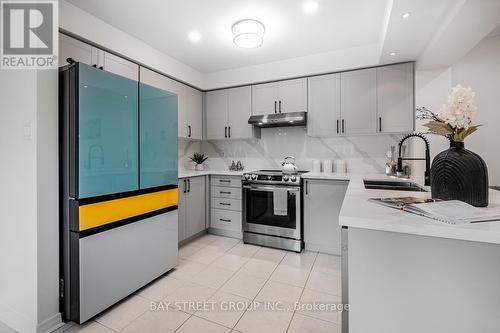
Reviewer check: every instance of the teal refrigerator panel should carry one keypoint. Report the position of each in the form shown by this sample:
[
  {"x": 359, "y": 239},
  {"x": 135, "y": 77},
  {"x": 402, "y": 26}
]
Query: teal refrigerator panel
[
  {"x": 107, "y": 133},
  {"x": 158, "y": 137}
]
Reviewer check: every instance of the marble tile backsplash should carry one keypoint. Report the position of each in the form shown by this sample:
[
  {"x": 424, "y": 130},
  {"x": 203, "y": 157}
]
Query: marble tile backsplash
[{"x": 363, "y": 154}]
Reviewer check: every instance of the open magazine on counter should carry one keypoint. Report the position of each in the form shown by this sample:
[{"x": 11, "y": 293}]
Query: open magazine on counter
[{"x": 450, "y": 212}]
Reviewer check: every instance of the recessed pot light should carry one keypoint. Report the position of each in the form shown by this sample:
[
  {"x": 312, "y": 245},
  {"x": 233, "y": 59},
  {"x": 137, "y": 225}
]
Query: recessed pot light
[
  {"x": 392, "y": 54},
  {"x": 248, "y": 33},
  {"x": 405, "y": 15},
  {"x": 194, "y": 36},
  {"x": 310, "y": 7}
]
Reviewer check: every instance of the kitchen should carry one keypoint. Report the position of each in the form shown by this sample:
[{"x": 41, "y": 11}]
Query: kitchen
[{"x": 219, "y": 174}]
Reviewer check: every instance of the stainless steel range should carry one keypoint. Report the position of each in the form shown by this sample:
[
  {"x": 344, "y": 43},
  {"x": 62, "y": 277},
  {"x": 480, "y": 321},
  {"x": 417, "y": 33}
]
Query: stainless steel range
[{"x": 272, "y": 209}]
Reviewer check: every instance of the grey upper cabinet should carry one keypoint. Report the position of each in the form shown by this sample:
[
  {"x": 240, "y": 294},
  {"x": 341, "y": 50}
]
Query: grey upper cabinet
[
  {"x": 216, "y": 115},
  {"x": 79, "y": 51},
  {"x": 395, "y": 98},
  {"x": 322, "y": 203},
  {"x": 192, "y": 206},
  {"x": 118, "y": 65},
  {"x": 358, "y": 100},
  {"x": 323, "y": 109},
  {"x": 82, "y": 52},
  {"x": 239, "y": 103},
  {"x": 278, "y": 97},
  {"x": 227, "y": 113},
  {"x": 193, "y": 120}
]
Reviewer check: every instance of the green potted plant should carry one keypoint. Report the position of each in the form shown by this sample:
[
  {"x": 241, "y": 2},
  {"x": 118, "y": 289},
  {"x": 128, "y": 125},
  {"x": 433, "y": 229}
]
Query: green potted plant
[{"x": 198, "y": 159}]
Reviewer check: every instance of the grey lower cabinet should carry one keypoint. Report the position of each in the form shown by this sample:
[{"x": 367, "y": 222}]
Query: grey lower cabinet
[
  {"x": 192, "y": 206},
  {"x": 225, "y": 206},
  {"x": 322, "y": 203}
]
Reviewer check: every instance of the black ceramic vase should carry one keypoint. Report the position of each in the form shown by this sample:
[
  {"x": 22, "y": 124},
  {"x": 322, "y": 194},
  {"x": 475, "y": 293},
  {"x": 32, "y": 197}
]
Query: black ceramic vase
[{"x": 459, "y": 174}]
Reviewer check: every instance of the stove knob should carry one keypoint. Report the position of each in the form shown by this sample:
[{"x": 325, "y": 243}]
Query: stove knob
[
  {"x": 247, "y": 177},
  {"x": 293, "y": 178},
  {"x": 254, "y": 177},
  {"x": 285, "y": 178}
]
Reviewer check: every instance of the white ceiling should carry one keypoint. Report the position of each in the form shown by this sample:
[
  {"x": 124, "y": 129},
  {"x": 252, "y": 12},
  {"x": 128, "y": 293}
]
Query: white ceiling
[
  {"x": 290, "y": 32},
  {"x": 341, "y": 34}
]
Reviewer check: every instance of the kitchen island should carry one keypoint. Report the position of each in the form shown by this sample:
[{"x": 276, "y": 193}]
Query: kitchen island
[{"x": 406, "y": 273}]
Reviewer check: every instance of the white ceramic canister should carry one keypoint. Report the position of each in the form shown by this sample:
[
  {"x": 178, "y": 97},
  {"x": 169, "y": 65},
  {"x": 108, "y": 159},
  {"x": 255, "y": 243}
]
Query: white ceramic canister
[
  {"x": 327, "y": 166},
  {"x": 341, "y": 166},
  {"x": 316, "y": 166}
]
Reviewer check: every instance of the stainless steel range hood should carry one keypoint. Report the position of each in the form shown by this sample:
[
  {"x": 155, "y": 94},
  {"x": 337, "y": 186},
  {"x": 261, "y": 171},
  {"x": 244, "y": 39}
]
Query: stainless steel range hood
[{"x": 279, "y": 119}]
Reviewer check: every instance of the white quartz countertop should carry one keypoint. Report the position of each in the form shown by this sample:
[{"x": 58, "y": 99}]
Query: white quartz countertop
[
  {"x": 358, "y": 212},
  {"x": 193, "y": 173}
]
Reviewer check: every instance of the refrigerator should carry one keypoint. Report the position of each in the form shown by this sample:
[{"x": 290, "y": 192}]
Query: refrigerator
[{"x": 118, "y": 187}]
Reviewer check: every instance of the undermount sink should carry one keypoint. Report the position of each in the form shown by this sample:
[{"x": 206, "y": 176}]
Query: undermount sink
[{"x": 393, "y": 185}]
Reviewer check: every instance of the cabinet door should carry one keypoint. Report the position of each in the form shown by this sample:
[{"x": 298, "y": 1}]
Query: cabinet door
[
  {"x": 216, "y": 114},
  {"x": 322, "y": 204},
  {"x": 194, "y": 113},
  {"x": 239, "y": 101},
  {"x": 195, "y": 208},
  {"x": 265, "y": 98},
  {"x": 292, "y": 95},
  {"x": 158, "y": 137},
  {"x": 182, "y": 209},
  {"x": 160, "y": 81},
  {"x": 395, "y": 97},
  {"x": 120, "y": 66},
  {"x": 107, "y": 133},
  {"x": 323, "y": 110},
  {"x": 79, "y": 51},
  {"x": 359, "y": 101}
]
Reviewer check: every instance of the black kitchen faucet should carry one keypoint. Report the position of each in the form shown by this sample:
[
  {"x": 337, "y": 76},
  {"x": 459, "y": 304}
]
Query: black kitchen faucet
[{"x": 427, "y": 175}]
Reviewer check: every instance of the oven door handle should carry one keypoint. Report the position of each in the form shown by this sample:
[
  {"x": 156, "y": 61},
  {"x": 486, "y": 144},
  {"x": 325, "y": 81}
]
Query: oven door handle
[{"x": 270, "y": 188}]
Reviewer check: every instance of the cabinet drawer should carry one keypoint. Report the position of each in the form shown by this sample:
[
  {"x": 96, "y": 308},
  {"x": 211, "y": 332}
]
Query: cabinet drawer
[
  {"x": 225, "y": 192},
  {"x": 226, "y": 220},
  {"x": 225, "y": 181},
  {"x": 223, "y": 203}
]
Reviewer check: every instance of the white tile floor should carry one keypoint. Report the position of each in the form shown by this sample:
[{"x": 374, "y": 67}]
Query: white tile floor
[{"x": 220, "y": 271}]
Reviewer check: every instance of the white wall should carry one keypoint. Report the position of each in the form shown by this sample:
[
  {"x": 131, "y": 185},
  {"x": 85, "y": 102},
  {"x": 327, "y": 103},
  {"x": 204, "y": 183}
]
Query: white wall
[
  {"x": 85, "y": 25},
  {"x": 364, "y": 56},
  {"x": 18, "y": 201},
  {"x": 480, "y": 69}
]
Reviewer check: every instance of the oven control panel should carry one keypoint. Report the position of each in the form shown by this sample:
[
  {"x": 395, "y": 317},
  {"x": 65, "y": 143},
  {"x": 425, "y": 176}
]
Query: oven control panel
[{"x": 271, "y": 178}]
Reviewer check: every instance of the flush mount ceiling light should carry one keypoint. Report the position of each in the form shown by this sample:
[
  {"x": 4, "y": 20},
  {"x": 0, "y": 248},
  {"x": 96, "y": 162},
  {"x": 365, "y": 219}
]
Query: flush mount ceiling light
[
  {"x": 310, "y": 7},
  {"x": 405, "y": 15},
  {"x": 392, "y": 54},
  {"x": 248, "y": 33}
]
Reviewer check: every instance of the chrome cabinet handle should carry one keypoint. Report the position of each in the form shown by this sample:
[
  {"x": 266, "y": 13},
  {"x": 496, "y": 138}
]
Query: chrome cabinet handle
[
  {"x": 224, "y": 204},
  {"x": 337, "y": 126},
  {"x": 307, "y": 187},
  {"x": 225, "y": 131},
  {"x": 280, "y": 106},
  {"x": 189, "y": 185},
  {"x": 224, "y": 220},
  {"x": 380, "y": 124},
  {"x": 224, "y": 192},
  {"x": 229, "y": 131},
  {"x": 275, "y": 107},
  {"x": 224, "y": 181},
  {"x": 189, "y": 131},
  {"x": 185, "y": 186},
  {"x": 343, "y": 126}
]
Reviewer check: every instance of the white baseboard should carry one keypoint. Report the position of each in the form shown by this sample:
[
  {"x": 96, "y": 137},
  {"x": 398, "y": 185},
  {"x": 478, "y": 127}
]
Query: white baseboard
[
  {"x": 50, "y": 325},
  {"x": 227, "y": 233}
]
